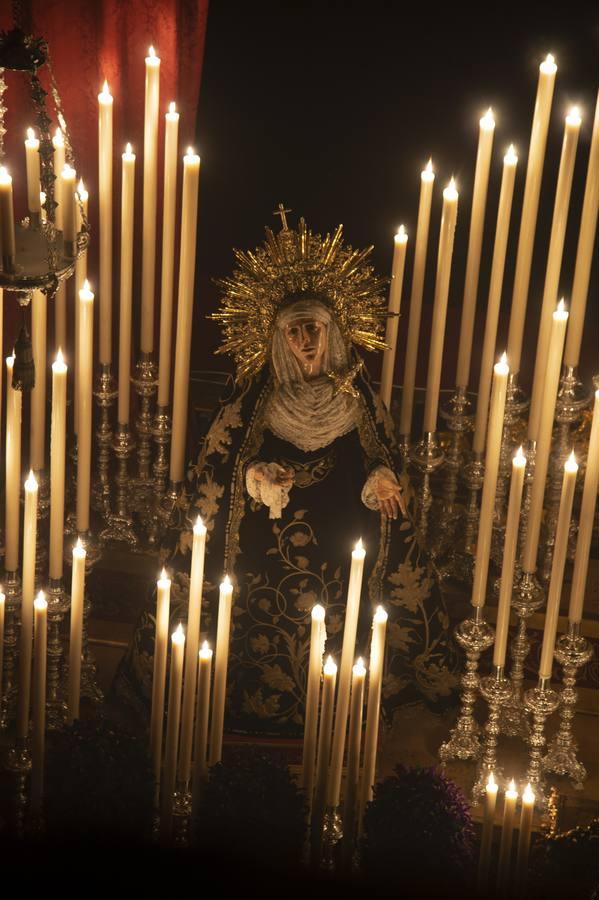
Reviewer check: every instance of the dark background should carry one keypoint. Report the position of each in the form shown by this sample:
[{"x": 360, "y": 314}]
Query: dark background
[{"x": 334, "y": 109}]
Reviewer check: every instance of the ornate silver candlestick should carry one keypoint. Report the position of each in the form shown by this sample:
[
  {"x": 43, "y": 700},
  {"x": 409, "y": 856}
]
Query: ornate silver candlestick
[
  {"x": 58, "y": 605},
  {"x": 427, "y": 456},
  {"x": 516, "y": 403},
  {"x": 11, "y": 585},
  {"x": 161, "y": 432},
  {"x": 105, "y": 393},
  {"x": 572, "y": 652},
  {"x": 120, "y": 523},
  {"x": 455, "y": 413},
  {"x": 474, "y": 477},
  {"x": 527, "y": 598},
  {"x": 541, "y": 701},
  {"x": 497, "y": 691},
  {"x": 145, "y": 384},
  {"x": 332, "y": 834},
  {"x": 475, "y": 636}
]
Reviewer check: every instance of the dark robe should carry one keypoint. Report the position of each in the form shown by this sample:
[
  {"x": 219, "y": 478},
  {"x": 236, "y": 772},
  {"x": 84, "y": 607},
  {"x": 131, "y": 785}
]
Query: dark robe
[{"x": 282, "y": 567}]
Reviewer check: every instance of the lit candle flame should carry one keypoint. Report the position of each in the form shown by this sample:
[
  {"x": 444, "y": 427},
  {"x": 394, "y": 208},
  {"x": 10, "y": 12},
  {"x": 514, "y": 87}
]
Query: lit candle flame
[
  {"x": 571, "y": 465},
  {"x": 550, "y": 59},
  {"x": 529, "y": 795},
  {"x": 520, "y": 457},
  {"x": 329, "y": 667},
  {"x": 30, "y": 134},
  {"x": 59, "y": 357},
  {"x": 105, "y": 88},
  {"x": 491, "y": 783},
  {"x": 511, "y": 156},
  {"x": 40, "y": 601},
  {"x": 31, "y": 483},
  {"x": 318, "y": 612},
  {"x": 172, "y": 107},
  {"x": 227, "y": 581},
  {"x": 128, "y": 149},
  {"x": 359, "y": 546},
  {"x": 179, "y": 628},
  {"x": 81, "y": 188},
  {"x": 429, "y": 166},
  {"x": 359, "y": 668},
  {"x": 402, "y": 234},
  {"x": 574, "y": 117},
  {"x": 561, "y": 306},
  {"x": 152, "y": 52},
  {"x": 58, "y": 138},
  {"x": 512, "y": 787},
  {"x": 381, "y": 614},
  {"x": 79, "y": 546},
  {"x": 199, "y": 525},
  {"x": 503, "y": 359},
  {"x": 179, "y": 635},
  {"x": 68, "y": 171},
  {"x": 487, "y": 120},
  {"x": 4, "y": 176},
  {"x": 164, "y": 575},
  {"x": 190, "y": 151}
]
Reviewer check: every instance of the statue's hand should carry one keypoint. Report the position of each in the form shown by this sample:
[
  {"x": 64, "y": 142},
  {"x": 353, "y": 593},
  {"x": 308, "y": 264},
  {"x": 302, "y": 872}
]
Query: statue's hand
[
  {"x": 282, "y": 476},
  {"x": 388, "y": 493}
]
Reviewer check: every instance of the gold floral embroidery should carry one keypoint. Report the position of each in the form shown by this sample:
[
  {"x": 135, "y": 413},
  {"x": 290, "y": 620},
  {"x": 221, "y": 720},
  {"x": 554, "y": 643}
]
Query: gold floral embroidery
[{"x": 218, "y": 438}]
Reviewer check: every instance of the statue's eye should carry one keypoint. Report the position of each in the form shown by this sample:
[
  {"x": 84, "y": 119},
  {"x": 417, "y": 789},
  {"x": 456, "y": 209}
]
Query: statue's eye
[{"x": 292, "y": 331}]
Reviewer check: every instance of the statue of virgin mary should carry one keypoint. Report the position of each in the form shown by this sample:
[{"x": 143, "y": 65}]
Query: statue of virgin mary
[{"x": 298, "y": 465}]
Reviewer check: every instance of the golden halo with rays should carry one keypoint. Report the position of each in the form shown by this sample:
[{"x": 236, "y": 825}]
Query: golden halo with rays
[{"x": 289, "y": 265}]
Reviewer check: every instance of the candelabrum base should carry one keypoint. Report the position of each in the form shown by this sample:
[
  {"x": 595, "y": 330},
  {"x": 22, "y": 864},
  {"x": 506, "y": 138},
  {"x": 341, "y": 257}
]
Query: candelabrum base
[
  {"x": 572, "y": 652},
  {"x": 475, "y": 636}
]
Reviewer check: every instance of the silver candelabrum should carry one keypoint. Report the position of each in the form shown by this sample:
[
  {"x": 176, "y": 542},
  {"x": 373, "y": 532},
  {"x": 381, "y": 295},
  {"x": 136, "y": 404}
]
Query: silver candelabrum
[
  {"x": 527, "y": 598},
  {"x": 497, "y": 691},
  {"x": 572, "y": 652},
  {"x": 59, "y": 603},
  {"x": 119, "y": 525},
  {"x": 452, "y": 551},
  {"x": 11, "y": 586},
  {"x": 541, "y": 702},
  {"x": 475, "y": 636},
  {"x": 427, "y": 455},
  {"x": 105, "y": 393}
]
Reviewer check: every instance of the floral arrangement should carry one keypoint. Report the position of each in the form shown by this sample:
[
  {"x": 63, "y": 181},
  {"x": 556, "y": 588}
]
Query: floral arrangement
[{"x": 418, "y": 830}]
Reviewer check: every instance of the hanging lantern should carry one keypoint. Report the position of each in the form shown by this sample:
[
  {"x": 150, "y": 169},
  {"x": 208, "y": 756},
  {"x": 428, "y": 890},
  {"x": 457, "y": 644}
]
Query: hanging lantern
[{"x": 40, "y": 251}]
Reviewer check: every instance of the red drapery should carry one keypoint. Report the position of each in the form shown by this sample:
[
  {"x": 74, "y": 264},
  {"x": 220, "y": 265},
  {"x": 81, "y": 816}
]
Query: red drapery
[{"x": 91, "y": 41}]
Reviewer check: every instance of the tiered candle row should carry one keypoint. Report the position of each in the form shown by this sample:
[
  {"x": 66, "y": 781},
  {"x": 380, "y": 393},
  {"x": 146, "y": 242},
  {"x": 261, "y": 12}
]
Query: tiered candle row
[
  {"x": 504, "y": 856},
  {"x": 194, "y": 728},
  {"x": 326, "y": 729}
]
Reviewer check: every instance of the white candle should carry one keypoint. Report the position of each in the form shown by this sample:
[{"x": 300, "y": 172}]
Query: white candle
[
  {"x": 487, "y": 834},
  {"x": 77, "y": 601},
  {"x": 189, "y": 219},
  {"x": 80, "y": 276},
  {"x": 584, "y": 251},
  {"x": 7, "y": 221},
  {"x": 84, "y": 379},
  {"x": 586, "y": 521},
  {"x": 373, "y": 707},
  {"x": 526, "y": 816},
  {"x": 543, "y": 448},
  {"x": 353, "y": 758},
  {"x": 37, "y": 423},
  {"x": 397, "y": 272},
  {"x": 152, "y": 98},
  {"x": 196, "y": 581},
  {"x": 554, "y": 266},
  {"x": 105, "y": 220},
  {"x": 427, "y": 179},
  {"x": 312, "y": 698},
  {"x": 69, "y": 219},
  {"x": 172, "y": 732},
  {"x": 507, "y": 834},
  {"x": 59, "y": 161},
  {"x": 125, "y": 296},
  {"x": 32, "y": 160},
  {"x": 530, "y": 206},
  {"x": 163, "y": 599},
  {"x": 510, "y": 161},
  {"x": 444, "y": 257},
  {"x": 200, "y": 744},
  {"x": 562, "y": 533},
  {"x": 13, "y": 471},
  {"x": 475, "y": 240},
  {"x": 509, "y": 558},
  {"x": 487, "y": 503},
  {"x": 324, "y": 749},
  {"x": 219, "y": 689},
  {"x": 171, "y": 133},
  {"x": 29, "y": 555},
  {"x": 39, "y": 701},
  {"x": 57, "y": 465},
  {"x": 348, "y": 651}
]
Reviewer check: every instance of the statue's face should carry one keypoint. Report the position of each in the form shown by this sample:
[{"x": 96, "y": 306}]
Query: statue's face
[{"x": 307, "y": 339}]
